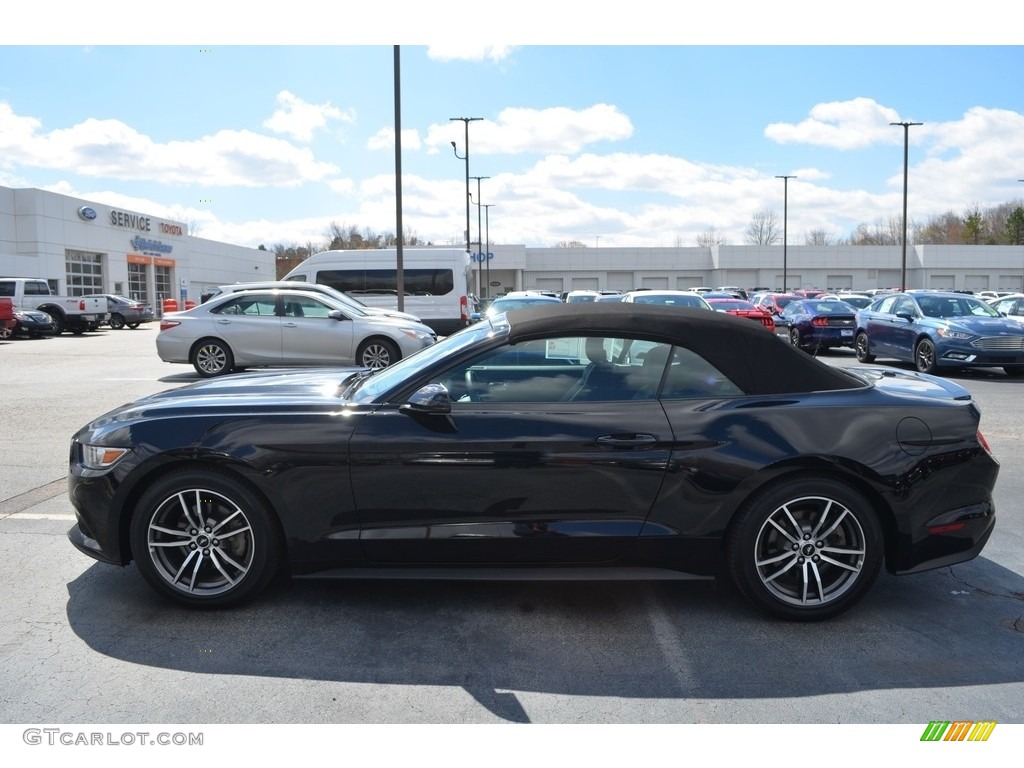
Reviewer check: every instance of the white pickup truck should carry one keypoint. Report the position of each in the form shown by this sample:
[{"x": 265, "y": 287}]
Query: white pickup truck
[{"x": 70, "y": 313}]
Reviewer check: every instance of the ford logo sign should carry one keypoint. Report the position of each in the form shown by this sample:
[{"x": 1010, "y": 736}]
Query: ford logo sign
[{"x": 87, "y": 213}]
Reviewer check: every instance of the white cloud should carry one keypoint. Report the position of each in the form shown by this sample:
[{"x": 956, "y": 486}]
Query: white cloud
[
  {"x": 110, "y": 148},
  {"x": 852, "y": 124},
  {"x": 464, "y": 51},
  {"x": 520, "y": 130},
  {"x": 299, "y": 119}
]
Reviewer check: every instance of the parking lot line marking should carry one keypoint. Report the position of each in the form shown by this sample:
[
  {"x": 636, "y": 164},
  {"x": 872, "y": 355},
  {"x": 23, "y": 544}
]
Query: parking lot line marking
[{"x": 39, "y": 516}]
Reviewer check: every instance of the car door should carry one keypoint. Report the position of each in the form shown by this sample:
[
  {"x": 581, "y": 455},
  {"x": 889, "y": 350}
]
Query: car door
[
  {"x": 250, "y": 324},
  {"x": 904, "y": 330},
  {"x": 532, "y": 465},
  {"x": 309, "y": 336},
  {"x": 880, "y": 326}
]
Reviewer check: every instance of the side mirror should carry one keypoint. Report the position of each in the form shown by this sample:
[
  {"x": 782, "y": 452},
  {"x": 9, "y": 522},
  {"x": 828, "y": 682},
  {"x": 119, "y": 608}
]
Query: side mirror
[
  {"x": 337, "y": 314},
  {"x": 432, "y": 399},
  {"x": 908, "y": 316}
]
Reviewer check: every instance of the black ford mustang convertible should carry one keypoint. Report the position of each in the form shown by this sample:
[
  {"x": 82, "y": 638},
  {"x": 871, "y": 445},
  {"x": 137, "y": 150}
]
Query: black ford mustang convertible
[{"x": 601, "y": 440}]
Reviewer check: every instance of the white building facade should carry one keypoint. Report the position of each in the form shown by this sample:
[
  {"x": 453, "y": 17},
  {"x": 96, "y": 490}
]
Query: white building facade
[
  {"x": 947, "y": 267},
  {"x": 82, "y": 247}
]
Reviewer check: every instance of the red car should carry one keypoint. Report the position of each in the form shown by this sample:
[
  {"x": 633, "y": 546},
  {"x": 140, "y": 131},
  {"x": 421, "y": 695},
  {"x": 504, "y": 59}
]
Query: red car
[
  {"x": 742, "y": 308},
  {"x": 774, "y": 302},
  {"x": 7, "y": 320}
]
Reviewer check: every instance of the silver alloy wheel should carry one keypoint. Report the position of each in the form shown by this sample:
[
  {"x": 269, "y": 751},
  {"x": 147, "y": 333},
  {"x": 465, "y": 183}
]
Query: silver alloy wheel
[
  {"x": 810, "y": 551},
  {"x": 117, "y": 321},
  {"x": 5, "y": 332},
  {"x": 212, "y": 359},
  {"x": 200, "y": 542},
  {"x": 377, "y": 355}
]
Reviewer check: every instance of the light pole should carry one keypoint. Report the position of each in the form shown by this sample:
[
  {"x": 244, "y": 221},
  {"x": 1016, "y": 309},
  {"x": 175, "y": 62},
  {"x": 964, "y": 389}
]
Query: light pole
[
  {"x": 487, "y": 252},
  {"x": 785, "y": 226},
  {"x": 906, "y": 151},
  {"x": 467, "y": 121},
  {"x": 1021, "y": 181},
  {"x": 479, "y": 229}
]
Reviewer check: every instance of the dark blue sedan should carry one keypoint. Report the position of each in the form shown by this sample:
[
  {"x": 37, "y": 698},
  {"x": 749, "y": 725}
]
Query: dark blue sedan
[
  {"x": 817, "y": 324},
  {"x": 937, "y": 330}
]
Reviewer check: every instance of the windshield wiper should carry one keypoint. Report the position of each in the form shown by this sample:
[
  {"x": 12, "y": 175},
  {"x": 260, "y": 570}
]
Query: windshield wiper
[{"x": 355, "y": 380}]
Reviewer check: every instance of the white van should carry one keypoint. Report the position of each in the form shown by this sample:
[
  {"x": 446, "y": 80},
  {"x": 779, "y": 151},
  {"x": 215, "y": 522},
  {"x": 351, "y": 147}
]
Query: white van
[{"x": 436, "y": 281}]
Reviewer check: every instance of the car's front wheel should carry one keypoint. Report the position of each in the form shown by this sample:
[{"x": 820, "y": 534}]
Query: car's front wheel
[
  {"x": 862, "y": 348},
  {"x": 117, "y": 321},
  {"x": 924, "y": 357},
  {"x": 212, "y": 357},
  {"x": 204, "y": 539},
  {"x": 806, "y": 549},
  {"x": 377, "y": 354}
]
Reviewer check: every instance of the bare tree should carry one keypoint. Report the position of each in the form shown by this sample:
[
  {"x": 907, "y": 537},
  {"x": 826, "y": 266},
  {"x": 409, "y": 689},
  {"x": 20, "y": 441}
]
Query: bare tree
[
  {"x": 709, "y": 238},
  {"x": 193, "y": 227},
  {"x": 764, "y": 228},
  {"x": 570, "y": 244},
  {"x": 819, "y": 237}
]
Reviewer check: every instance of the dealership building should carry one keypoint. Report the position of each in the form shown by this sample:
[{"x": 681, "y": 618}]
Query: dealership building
[{"x": 84, "y": 247}]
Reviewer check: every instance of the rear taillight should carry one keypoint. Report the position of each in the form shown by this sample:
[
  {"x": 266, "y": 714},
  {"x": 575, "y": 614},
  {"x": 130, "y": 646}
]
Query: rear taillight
[
  {"x": 819, "y": 321},
  {"x": 166, "y": 325},
  {"x": 81, "y": 305},
  {"x": 464, "y": 307},
  {"x": 984, "y": 443}
]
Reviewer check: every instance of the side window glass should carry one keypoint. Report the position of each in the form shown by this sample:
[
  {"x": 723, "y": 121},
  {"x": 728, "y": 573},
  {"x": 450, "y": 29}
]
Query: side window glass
[
  {"x": 258, "y": 305},
  {"x": 690, "y": 375},
  {"x": 557, "y": 370},
  {"x": 886, "y": 306}
]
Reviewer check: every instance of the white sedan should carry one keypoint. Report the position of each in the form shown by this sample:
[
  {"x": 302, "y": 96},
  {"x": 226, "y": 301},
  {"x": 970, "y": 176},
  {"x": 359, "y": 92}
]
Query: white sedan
[{"x": 263, "y": 328}]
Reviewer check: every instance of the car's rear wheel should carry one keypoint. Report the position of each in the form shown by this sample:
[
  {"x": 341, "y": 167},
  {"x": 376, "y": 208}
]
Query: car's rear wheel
[
  {"x": 5, "y": 332},
  {"x": 794, "y": 338},
  {"x": 924, "y": 357},
  {"x": 377, "y": 353},
  {"x": 806, "y": 549},
  {"x": 205, "y": 539},
  {"x": 133, "y": 326},
  {"x": 862, "y": 348},
  {"x": 117, "y": 321},
  {"x": 212, "y": 357}
]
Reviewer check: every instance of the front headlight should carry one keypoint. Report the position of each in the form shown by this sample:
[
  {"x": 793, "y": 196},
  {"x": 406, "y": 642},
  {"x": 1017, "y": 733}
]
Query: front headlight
[
  {"x": 948, "y": 334},
  {"x": 416, "y": 334},
  {"x": 101, "y": 456}
]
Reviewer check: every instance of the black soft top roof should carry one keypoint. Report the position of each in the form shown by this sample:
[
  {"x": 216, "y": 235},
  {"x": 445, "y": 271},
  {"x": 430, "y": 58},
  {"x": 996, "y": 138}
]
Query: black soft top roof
[{"x": 757, "y": 361}]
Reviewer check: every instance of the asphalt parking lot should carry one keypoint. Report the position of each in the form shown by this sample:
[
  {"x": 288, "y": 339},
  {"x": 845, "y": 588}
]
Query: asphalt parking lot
[{"x": 89, "y": 643}]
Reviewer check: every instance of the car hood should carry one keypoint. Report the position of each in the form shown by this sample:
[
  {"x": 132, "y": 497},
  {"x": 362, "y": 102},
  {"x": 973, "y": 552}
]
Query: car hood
[
  {"x": 304, "y": 389},
  {"x": 981, "y": 326},
  {"x": 394, "y": 313}
]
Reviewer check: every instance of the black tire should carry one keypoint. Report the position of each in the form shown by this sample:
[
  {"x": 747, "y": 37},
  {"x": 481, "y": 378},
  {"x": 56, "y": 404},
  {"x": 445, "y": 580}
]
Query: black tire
[
  {"x": 806, "y": 549},
  {"x": 862, "y": 347},
  {"x": 59, "y": 326},
  {"x": 794, "y": 339},
  {"x": 212, "y": 357},
  {"x": 133, "y": 326},
  {"x": 117, "y": 321},
  {"x": 377, "y": 353},
  {"x": 924, "y": 357},
  {"x": 6, "y": 333},
  {"x": 205, "y": 539}
]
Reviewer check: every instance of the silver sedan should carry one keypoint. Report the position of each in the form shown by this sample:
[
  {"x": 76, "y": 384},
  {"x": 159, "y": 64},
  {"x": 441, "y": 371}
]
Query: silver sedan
[{"x": 263, "y": 328}]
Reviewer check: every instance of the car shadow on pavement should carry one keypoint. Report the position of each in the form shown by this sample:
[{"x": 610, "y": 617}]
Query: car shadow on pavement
[{"x": 960, "y": 626}]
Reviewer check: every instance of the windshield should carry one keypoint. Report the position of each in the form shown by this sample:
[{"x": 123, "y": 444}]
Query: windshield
[
  {"x": 952, "y": 307},
  {"x": 394, "y": 376}
]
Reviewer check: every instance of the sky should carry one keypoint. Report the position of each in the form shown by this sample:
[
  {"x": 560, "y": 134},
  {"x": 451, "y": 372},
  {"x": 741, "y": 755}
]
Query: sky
[{"x": 605, "y": 128}]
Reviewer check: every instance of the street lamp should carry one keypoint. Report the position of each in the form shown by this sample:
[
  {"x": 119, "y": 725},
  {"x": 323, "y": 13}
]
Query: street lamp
[
  {"x": 906, "y": 142},
  {"x": 487, "y": 252},
  {"x": 785, "y": 225},
  {"x": 479, "y": 229},
  {"x": 467, "y": 121}
]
